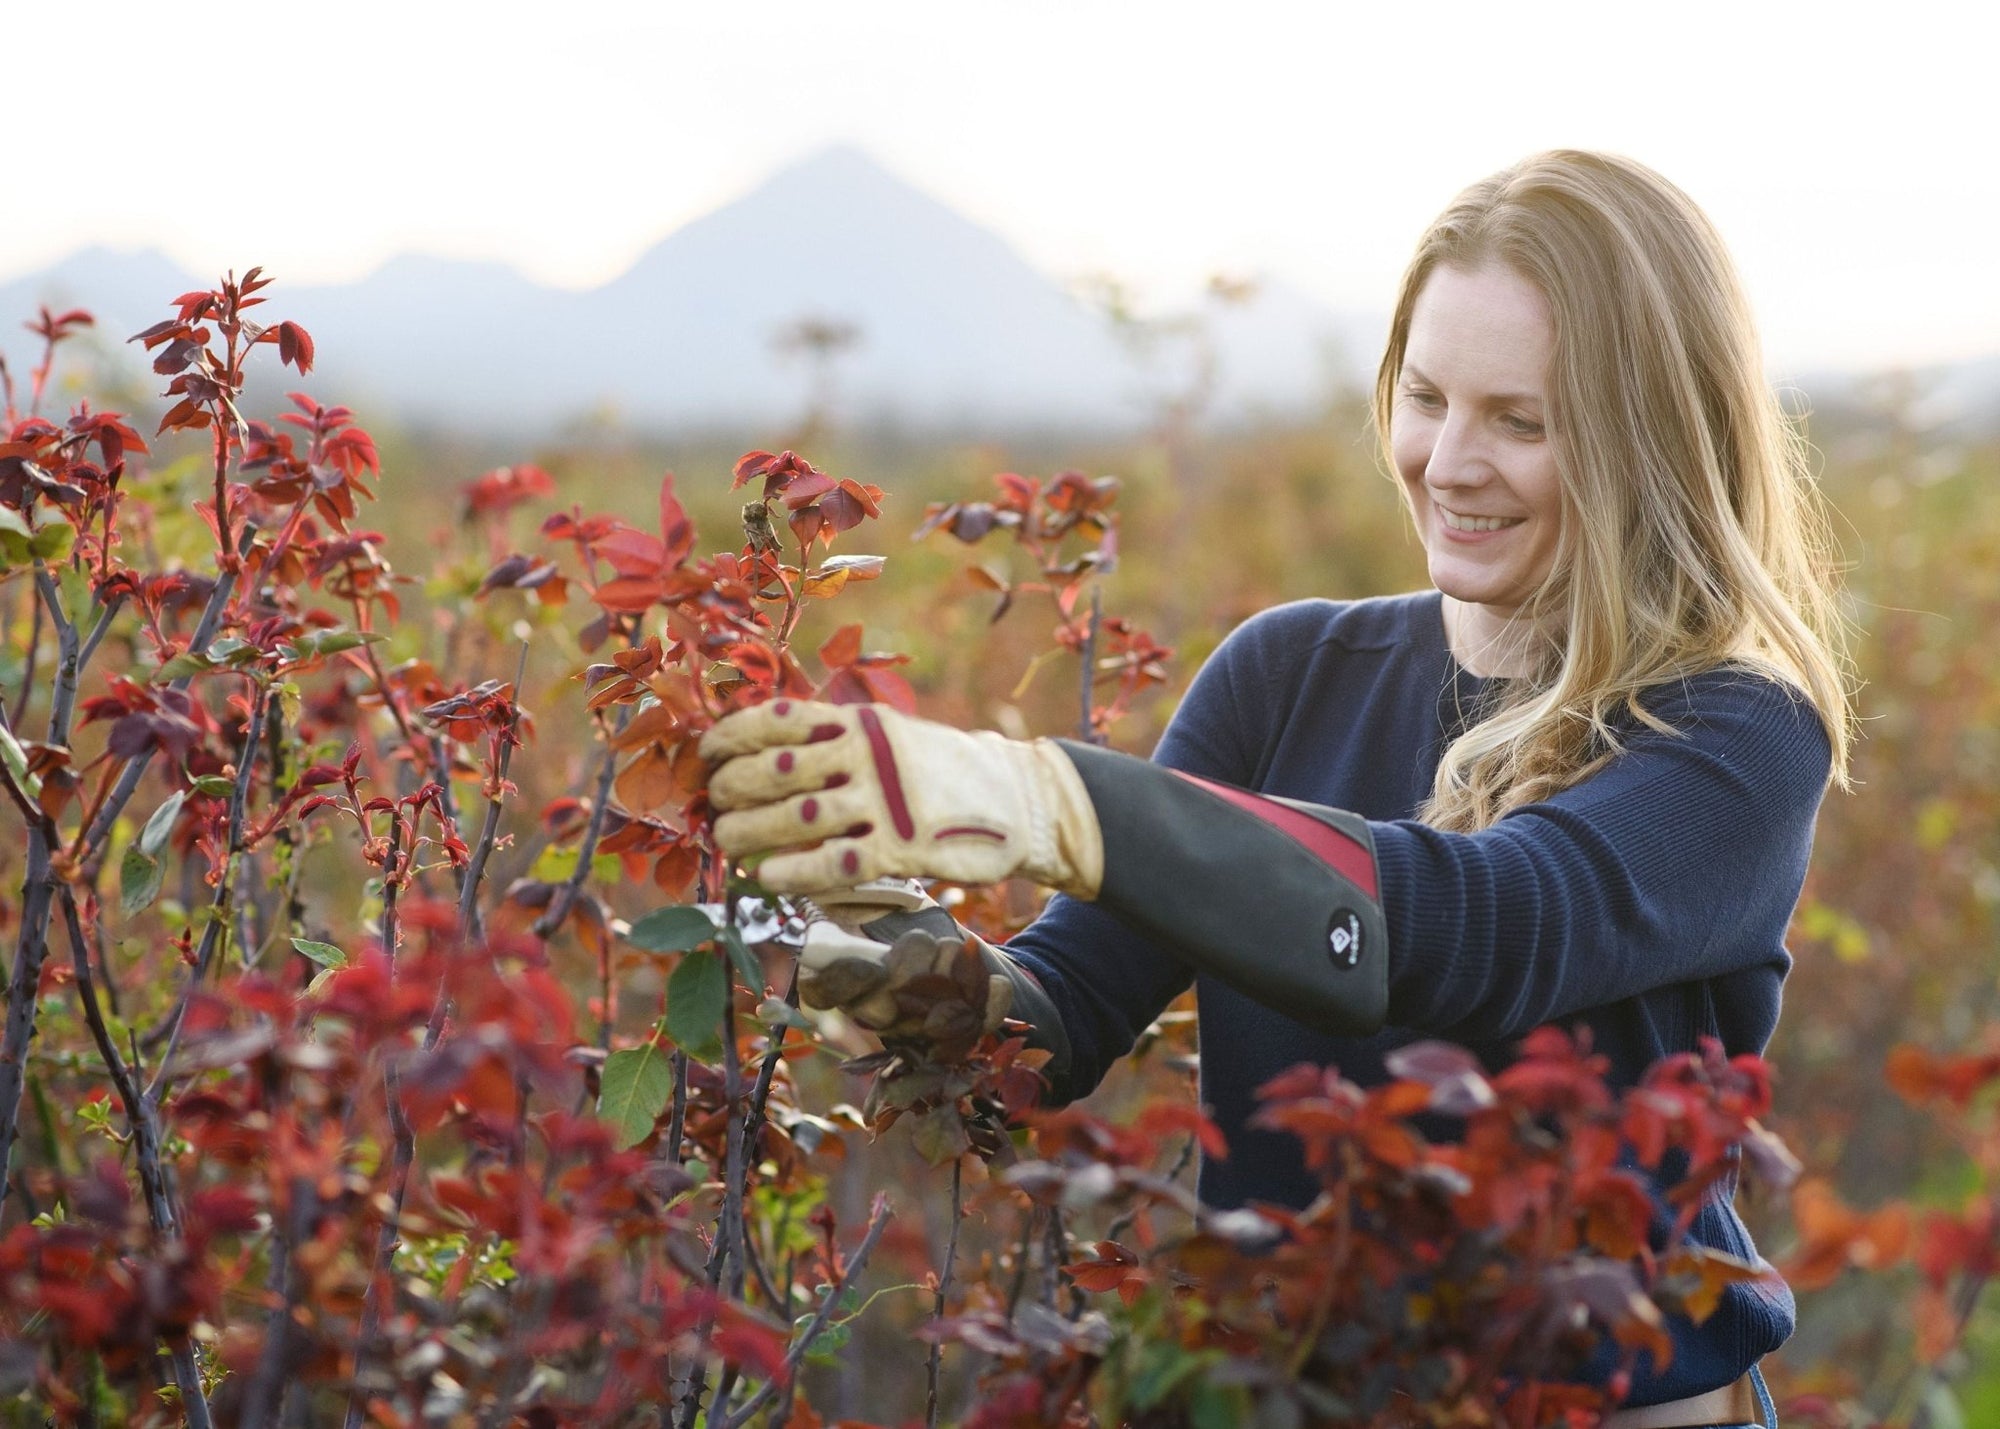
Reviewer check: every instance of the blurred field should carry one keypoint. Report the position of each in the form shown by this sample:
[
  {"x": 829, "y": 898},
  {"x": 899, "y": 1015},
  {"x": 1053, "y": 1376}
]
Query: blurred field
[{"x": 1895, "y": 941}]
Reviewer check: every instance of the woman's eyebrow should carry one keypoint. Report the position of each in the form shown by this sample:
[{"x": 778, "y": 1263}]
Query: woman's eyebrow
[{"x": 1492, "y": 399}]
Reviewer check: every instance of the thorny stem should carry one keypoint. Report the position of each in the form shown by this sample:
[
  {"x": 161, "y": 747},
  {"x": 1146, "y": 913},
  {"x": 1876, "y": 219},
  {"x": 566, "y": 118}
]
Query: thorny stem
[
  {"x": 432, "y": 749},
  {"x": 566, "y": 896},
  {"x": 878, "y": 1221},
  {"x": 264, "y": 1396},
  {"x": 670, "y": 1147},
  {"x": 28, "y": 663},
  {"x": 755, "y": 1264},
  {"x": 1086, "y": 719},
  {"x": 794, "y": 601},
  {"x": 38, "y": 890},
  {"x": 142, "y": 1116},
  {"x": 469, "y": 917},
  {"x": 936, "y": 1360},
  {"x": 1058, "y": 1253},
  {"x": 99, "y": 630},
  {"x": 760, "y": 1097},
  {"x": 94, "y": 836},
  {"x": 404, "y": 1154},
  {"x": 730, "y": 1231},
  {"x": 1022, "y": 1258},
  {"x": 225, "y": 892},
  {"x": 69, "y": 667},
  {"x": 29, "y": 952}
]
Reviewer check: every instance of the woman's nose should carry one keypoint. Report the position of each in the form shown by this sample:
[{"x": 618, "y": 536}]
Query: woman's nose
[{"x": 1456, "y": 459}]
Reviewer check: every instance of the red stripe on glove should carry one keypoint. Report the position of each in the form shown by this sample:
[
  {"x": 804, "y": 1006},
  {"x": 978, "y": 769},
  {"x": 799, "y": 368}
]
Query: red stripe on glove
[{"x": 886, "y": 771}]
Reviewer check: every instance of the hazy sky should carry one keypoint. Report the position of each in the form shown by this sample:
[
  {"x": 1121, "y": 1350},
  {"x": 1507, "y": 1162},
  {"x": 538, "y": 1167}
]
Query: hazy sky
[{"x": 1855, "y": 167}]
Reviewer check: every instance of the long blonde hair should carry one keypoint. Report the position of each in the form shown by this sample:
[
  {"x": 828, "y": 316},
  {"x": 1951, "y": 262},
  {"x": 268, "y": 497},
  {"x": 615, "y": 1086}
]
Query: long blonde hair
[{"x": 1692, "y": 533}]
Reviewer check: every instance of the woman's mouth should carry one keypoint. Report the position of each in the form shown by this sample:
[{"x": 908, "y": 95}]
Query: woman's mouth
[{"x": 1456, "y": 522}]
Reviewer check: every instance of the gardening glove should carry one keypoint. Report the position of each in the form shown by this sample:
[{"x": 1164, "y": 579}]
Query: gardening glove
[
  {"x": 920, "y": 985},
  {"x": 1278, "y": 898},
  {"x": 839, "y": 794},
  {"x": 889, "y": 974}
]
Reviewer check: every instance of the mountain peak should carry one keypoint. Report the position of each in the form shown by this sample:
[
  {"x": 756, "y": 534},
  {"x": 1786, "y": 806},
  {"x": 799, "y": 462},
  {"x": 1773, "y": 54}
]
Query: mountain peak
[
  {"x": 841, "y": 163},
  {"x": 839, "y": 179}
]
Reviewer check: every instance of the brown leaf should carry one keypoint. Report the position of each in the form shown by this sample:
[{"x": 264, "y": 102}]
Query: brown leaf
[{"x": 649, "y": 780}]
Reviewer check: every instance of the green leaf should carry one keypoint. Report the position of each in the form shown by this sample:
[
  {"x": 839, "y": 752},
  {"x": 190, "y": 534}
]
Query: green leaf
[
  {"x": 555, "y": 865},
  {"x": 325, "y": 954},
  {"x": 672, "y": 930},
  {"x": 229, "y": 650},
  {"x": 1162, "y": 1367},
  {"x": 940, "y": 1135},
  {"x": 17, "y": 759},
  {"x": 78, "y": 602},
  {"x": 775, "y": 1012},
  {"x": 17, "y": 538},
  {"x": 214, "y": 786},
  {"x": 153, "y": 837},
  {"x": 747, "y": 966},
  {"x": 139, "y": 880},
  {"x": 1216, "y": 1406},
  {"x": 328, "y": 642},
  {"x": 832, "y": 1340},
  {"x": 188, "y": 662},
  {"x": 860, "y": 567},
  {"x": 696, "y": 994},
  {"x": 636, "y": 1086},
  {"x": 54, "y": 541}
]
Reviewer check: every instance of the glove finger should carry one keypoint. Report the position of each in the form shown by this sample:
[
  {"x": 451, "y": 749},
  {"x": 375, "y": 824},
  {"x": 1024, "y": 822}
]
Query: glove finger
[
  {"x": 843, "y": 983},
  {"x": 999, "y": 1002},
  {"x": 769, "y": 774},
  {"x": 834, "y": 864},
  {"x": 915, "y": 954},
  {"x": 803, "y": 819},
  {"x": 875, "y": 1012},
  {"x": 828, "y": 943},
  {"x": 765, "y": 725}
]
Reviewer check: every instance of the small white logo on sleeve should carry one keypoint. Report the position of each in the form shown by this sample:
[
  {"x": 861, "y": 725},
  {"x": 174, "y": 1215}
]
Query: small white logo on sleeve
[{"x": 1343, "y": 938}]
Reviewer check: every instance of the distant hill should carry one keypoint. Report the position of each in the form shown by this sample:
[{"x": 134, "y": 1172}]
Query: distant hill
[{"x": 952, "y": 328}]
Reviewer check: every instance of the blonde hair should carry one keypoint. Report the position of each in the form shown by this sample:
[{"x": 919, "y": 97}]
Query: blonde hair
[{"x": 1692, "y": 534}]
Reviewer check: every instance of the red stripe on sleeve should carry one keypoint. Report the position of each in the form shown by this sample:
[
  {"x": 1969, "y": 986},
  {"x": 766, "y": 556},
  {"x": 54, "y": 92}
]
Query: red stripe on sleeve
[{"x": 1345, "y": 855}]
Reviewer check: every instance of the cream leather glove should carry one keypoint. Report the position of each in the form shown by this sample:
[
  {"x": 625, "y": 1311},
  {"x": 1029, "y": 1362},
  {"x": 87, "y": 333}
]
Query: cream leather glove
[
  {"x": 840, "y": 794},
  {"x": 921, "y": 986}
]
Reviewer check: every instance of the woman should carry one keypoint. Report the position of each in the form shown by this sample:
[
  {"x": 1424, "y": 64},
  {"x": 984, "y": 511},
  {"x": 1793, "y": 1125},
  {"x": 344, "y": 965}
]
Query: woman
[{"x": 1575, "y": 782}]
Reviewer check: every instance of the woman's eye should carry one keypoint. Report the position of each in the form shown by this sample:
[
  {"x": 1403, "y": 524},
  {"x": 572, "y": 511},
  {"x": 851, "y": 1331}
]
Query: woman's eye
[
  {"x": 1522, "y": 427},
  {"x": 1423, "y": 401}
]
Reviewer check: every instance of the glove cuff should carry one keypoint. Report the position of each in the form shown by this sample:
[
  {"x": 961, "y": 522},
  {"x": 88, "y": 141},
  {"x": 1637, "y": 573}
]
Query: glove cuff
[
  {"x": 1065, "y": 842},
  {"x": 1276, "y": 898}
]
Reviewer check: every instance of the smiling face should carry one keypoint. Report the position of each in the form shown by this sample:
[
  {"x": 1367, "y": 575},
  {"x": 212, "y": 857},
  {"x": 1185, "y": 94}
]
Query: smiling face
[{"x": 1470, "y": 441}]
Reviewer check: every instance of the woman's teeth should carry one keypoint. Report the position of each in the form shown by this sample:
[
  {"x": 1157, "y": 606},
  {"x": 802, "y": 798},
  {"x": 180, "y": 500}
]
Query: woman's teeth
[{"x": 1477, "y": 523}]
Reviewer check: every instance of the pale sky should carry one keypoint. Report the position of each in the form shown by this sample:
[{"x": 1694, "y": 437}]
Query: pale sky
[{"x": 1853, "y": 165}]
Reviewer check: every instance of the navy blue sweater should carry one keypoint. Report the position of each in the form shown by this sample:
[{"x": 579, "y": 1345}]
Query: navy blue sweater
[{"x": 1649, "y": 902}]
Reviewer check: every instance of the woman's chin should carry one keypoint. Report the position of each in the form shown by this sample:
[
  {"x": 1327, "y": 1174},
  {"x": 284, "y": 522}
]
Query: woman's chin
[{"x": 1476, "y": 586}]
